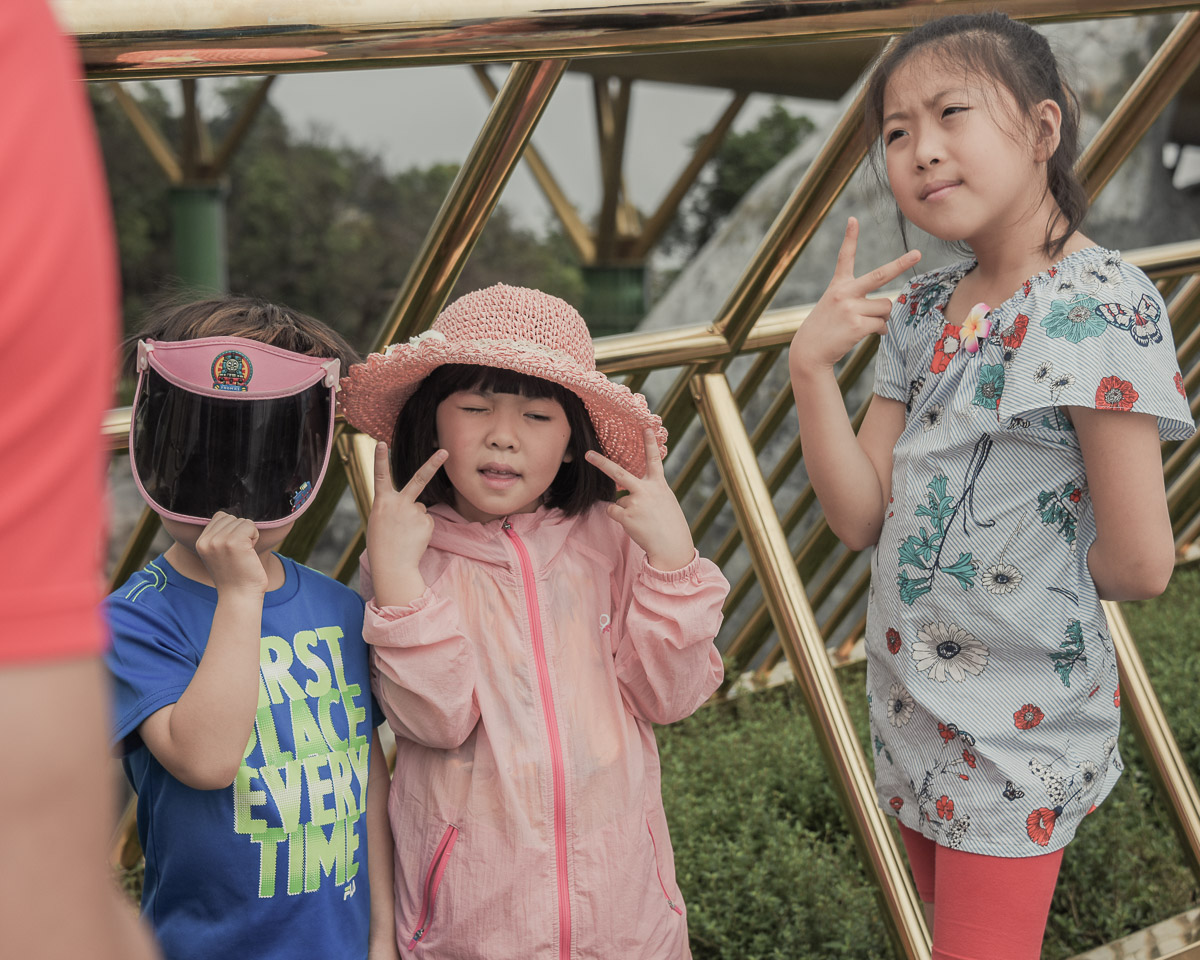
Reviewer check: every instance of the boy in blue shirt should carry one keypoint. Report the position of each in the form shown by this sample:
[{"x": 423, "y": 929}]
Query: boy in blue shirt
[{"x": 244, "y": 713}]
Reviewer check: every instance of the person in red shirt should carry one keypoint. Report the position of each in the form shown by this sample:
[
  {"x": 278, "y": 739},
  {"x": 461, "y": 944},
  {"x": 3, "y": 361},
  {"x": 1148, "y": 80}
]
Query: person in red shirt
[{"x": 58, "y": 312}]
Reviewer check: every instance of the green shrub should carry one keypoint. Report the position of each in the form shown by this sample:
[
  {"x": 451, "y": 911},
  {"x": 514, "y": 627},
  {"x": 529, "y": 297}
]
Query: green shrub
[{"x": 768, "y": 868}]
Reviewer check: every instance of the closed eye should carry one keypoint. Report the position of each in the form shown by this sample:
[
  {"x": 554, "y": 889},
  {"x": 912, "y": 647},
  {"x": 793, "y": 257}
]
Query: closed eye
[{"x": 540, "y": 417}]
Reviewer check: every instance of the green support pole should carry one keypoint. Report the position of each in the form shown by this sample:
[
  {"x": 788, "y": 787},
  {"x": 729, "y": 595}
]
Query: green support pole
[
  {"x": 614, "y": 299},
  {"x": 198, "y": 236}
]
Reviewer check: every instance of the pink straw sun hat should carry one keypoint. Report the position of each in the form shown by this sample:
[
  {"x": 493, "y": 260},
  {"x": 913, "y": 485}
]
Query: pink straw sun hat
[{"x": 516, "y": 329}]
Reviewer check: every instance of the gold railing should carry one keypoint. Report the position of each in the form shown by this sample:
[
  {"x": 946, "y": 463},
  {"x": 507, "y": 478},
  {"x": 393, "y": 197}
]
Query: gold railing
[{"x": 796, "y": 591}]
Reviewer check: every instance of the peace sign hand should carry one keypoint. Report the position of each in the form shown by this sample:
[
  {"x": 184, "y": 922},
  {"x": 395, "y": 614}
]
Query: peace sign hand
[
  {"x": 398, "y": 531},
  {"x": 650, "y": 513},
  {"x": 845, "y": 314}
]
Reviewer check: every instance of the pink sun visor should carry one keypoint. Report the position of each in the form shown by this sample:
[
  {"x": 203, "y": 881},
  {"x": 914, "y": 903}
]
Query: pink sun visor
[{"x": 224, "y": 423}]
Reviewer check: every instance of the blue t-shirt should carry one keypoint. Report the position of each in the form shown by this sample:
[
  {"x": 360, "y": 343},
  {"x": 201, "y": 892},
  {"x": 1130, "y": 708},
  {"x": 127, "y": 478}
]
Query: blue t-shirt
[{"x": 274, "y": 865}]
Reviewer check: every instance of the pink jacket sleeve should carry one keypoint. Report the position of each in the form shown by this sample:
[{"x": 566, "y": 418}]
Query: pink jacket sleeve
[
  {"x": 424, "y": 667},
  {"x": 666, "y": 662}
]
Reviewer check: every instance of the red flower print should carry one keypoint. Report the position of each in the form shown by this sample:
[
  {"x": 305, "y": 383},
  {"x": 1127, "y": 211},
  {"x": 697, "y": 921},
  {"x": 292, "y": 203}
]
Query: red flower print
[
  {"x": 893, "y": 640},
  {"x": 945, "y": 808},
  {"x": 896, "y": 803},
  {"x": 1016, "y": 334},
  {"x": 903, "y": 298},
  {"x": 1117, "y": 697},
  {"x": 963, "y": 776},
  {"x": 946, "y": 733},
  {"x": 970, "y": 758},
  {"x": 1052, "y": 271},
  {"x": 1076, "y": 495},
  {"x": 1026, "y": 287},
  {"x": 1115, "y": 394},
  {"x": 945, "y": 349},
  {"x": 1028, "y": 717},
  {"x": 1040, "y": 825},
  {"x": 1179, "y": 384}
]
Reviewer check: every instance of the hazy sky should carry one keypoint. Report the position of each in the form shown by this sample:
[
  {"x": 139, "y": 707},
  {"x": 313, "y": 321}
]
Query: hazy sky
[{"x": 422, "y": 115}]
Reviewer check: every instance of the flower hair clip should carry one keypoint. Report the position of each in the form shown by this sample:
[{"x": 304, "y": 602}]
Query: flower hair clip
[{"x": 976, "y": 327}]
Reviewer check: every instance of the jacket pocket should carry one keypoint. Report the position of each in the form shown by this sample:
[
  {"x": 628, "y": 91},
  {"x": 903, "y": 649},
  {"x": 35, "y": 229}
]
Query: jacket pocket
[
  {"x": 433, "y": 880},
  {"x": 657, "y": 869}
]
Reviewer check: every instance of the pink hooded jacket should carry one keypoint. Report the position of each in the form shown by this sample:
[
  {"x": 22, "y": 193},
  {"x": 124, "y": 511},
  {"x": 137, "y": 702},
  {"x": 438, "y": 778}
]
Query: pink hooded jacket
[{"x": 521, "y": 686}]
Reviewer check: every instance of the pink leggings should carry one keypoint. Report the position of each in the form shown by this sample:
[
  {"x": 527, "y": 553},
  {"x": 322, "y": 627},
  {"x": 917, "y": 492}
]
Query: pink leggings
[{"x": 988, "y": 908}]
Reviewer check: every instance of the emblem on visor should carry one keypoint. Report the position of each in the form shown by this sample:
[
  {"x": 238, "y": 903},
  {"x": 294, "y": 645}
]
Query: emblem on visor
[
  {"x": 231, "y": 370},
  {"x": 301, "y": 495}
]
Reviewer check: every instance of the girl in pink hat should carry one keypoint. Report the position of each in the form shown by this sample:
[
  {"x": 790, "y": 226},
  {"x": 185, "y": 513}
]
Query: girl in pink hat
[{"x": 527, "y": 630}]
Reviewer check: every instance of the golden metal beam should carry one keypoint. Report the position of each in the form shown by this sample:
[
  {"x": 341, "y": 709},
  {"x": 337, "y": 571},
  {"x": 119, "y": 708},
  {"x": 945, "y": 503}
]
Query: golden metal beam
[
  {"x": 472, "y": 197},
  {"x": 1159, "y": 748},
  {"x": 612, "y": 124},
  {"x": 805, "y": 650},
  {"x": 576, "y": 230},
  {"x": 1145, "y": 99},
  {"x": 149, "y": 134},
  {"x": 794, "y": 226},
  {"x": 136, "y": 547},
  {"x": 705, "y": 150},
  {"x": 241, "y": 127},
  {"x": 140, "y": 39}
]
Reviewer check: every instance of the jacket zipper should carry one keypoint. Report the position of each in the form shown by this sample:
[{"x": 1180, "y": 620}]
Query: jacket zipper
[
  {"x": 433, "y": 880},
  {"x": 560, "y": 778},
  {"x": 657, "y": 869}
]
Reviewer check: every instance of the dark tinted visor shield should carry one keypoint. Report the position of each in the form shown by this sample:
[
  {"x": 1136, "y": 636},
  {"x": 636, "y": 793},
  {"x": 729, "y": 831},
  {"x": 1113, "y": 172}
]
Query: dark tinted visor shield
[{"x": 260, "y": 456}]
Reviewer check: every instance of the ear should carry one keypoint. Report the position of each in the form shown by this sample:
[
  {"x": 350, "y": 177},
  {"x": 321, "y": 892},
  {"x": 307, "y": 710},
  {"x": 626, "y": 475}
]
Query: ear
[
  {"x": 1048, "y": 120},
  {"x": 568, "y": 457}
]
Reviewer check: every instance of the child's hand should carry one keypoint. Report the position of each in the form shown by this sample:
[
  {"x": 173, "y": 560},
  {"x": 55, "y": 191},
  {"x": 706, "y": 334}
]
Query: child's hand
[
  {"x": 650, "y": 513},
  {"x": 226, "y": 548},
  {"x": 398, "y": 531},
  {"x": 844, "y": 315}
]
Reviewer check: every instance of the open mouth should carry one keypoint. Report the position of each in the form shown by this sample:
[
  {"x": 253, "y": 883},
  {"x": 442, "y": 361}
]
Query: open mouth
[{"x": 495, "y": 475}]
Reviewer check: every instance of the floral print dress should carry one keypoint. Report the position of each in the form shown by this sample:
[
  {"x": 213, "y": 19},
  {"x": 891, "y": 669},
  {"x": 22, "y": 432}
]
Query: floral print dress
[{"x": 991, "y": 676}]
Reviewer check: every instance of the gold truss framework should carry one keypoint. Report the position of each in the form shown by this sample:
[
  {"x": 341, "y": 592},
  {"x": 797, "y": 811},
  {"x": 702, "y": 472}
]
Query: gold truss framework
[{"x": 139, "y": 39}]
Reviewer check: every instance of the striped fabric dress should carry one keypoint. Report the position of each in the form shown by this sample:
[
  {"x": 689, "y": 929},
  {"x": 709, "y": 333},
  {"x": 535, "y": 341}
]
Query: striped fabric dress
[{"x": 991, "y": 676}]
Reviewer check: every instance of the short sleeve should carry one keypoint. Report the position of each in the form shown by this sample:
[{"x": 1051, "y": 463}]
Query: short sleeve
[
  {"x": 1099, "y": 337},
  {"x": 151, "y": 663},
  {"x": 891, "y": 381}
]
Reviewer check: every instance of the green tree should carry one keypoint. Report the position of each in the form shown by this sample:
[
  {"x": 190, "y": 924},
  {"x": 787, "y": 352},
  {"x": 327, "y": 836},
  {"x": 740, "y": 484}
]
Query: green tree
[{"x": 739, "y": 163}]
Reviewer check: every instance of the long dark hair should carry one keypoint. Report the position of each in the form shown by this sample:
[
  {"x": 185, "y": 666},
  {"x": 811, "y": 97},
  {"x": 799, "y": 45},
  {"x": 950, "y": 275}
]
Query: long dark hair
[
  {"x": 574, "y": 489},
  {"x": 1019, "y": 58}
]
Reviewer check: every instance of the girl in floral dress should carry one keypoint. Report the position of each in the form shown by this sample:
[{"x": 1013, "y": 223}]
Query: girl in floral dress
[{"x": 1008, "y": 472}]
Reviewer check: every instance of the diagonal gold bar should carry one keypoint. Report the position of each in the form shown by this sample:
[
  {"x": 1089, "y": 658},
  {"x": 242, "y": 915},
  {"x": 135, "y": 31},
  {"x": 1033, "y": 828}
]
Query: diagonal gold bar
[
  {"x": 1141, "y": 706},
  {"x": 1145, "y": 99},
  {"x": 654, "y": 228},
  {"x": 472, "y": 197},
  {"x": 821, "y": 184},
  {"x": 150, "y": 135},
  {"x": 805, "y": 650},
  {"x": 612, "y": 122},
  {"x": 572, "y": 223},
  {"x": 241, "y": 127}
]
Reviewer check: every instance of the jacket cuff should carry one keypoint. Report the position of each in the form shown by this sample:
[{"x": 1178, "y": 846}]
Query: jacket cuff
[
  {"x": 423, "y": 602},
  {"x": 690, "y": 572}
]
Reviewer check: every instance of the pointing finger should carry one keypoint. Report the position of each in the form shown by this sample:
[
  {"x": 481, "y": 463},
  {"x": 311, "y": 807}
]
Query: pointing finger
[
  {"x": 876, "y": 278},
  {"x": 383, "y": 473},
  {"x": 618, "y": 473},
  {"x": 424, "y": 474},
  {"x": 654, "y": 467},
  {"x": 845, "y": 258}
]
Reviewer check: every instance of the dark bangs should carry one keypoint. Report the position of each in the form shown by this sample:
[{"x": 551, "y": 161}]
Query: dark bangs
[{"x": 577, "y": 486}]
